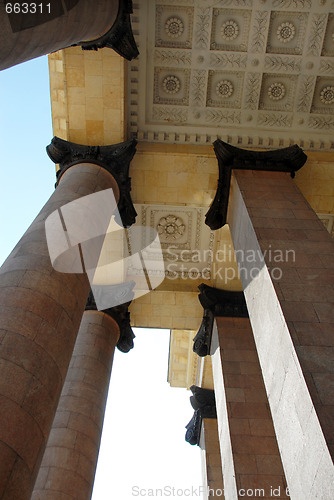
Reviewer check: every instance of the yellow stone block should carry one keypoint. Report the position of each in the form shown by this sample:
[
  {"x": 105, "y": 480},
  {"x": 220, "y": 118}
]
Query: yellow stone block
[
  {"x": 74, "y": 60},
  {"x": 93, "y": 86},
  {"x": 76, "y": 95},
  {"x": 78, "y": 135},
  {"x": 94, "y": 108},
  {"x": 94, "y": 132},
  {"x": 76, "y": 116},
  {"x": 75, "y": 77},
  {"x": 93, "y": 67}
]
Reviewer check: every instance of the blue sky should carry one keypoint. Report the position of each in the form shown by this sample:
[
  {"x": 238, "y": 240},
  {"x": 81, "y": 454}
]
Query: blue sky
[
  {"x": 27, "y": 175},
  {"x": 143, "y": 442}
]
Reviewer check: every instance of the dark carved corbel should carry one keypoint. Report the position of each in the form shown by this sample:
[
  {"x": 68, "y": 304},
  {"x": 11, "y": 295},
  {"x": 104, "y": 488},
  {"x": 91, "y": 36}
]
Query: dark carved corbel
[
  {"x": 204, "y": 403},
  {"x": 120, "y": 314},
  {"x": 229, "y": 157},
  {"x": 115, "y": 158},
  {"x": 216, "y": 303},
  {"x": 202, "y": 340},
  {"x": 120, "y": 36}
]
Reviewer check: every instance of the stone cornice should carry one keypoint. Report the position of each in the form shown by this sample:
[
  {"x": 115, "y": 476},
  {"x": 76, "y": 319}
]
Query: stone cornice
[
  {"x": 229, "y": 157},
  {"x": 120, "y": 36},
  {"x": 204, "y": 403},
  {"x": 121, "y": 315},
  {"x": 216, "y": 302},
  {"x": 115, "y": 159}
]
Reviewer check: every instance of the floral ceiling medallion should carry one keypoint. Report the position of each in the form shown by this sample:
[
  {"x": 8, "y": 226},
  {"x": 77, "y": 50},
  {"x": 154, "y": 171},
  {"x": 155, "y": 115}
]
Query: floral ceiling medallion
[
  {"x": 286, "y": 32},
  {"x": 171, "y": 84},
  {"x": 171, "y": 227},
  {"x": 224, "y": 88},
  {"x": 276, "y": 91},
  {"x": 229, "y": 30},
  {"x": 174, "y": 27},
  {"x": 327, "y": 95}
]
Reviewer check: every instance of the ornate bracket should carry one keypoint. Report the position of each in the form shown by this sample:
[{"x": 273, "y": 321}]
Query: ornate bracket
[
  {"x": 204, "y": 403},
  {"x": 120, "y": 314},
  {"x": 120, "y": 36},
  {"x": 229, "y": 157},
  {"x": 216, "y": 303},
  {"x": 115, "y": 158}
]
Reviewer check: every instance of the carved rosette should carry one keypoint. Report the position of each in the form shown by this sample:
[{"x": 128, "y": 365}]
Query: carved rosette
[
  {"x": 276, "y": 91},
  {"x": 174, "y": 27},
  {"x": 286, "y": 32},
  {"x": 171, "y": 227},
  {"x": 204, "y": 403},
  {"x": 119, "y": 313},
  {"x": 230, "y": 157},
  {"x": 171, "y": 84},
  {"x": 224, "y": 88},
  {"x": 120, "y": 36},
  {"x": 216, "y": 303},
  {"x": 327, "y": 95},
  {"x": 115, "y": 158},
  {"x": 229, "y": 30}
]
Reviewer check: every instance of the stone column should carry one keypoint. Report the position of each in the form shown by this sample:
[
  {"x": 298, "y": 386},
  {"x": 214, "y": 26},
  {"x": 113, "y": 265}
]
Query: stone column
[
  {"x": 34, "y": 29},
  {"x": 69, "y": 462},
  {"x": 41, "y": 310},
  {"x": 251, "y": 462},
  {"x": 285, "y": 257},
  {"x": 288, "y": 287},
  {"x": 211, "y": 460}
]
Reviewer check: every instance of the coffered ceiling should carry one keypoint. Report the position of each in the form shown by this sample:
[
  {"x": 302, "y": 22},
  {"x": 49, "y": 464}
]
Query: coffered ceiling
[{"x": 257, "y": 73}]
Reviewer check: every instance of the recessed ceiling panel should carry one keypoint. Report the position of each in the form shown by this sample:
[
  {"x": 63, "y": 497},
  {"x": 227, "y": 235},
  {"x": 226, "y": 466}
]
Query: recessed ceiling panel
[{"x": 250, "y": 72}]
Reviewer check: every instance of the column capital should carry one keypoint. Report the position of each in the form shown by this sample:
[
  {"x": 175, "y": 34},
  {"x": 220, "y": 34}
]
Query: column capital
[
  {"x": 229, "y": 157},
  {"x": 120, "y": 36},
  {"x": 120, "y": 314},
  {"x": 204, "y": 403},
  {"x": 114, "y": 158},
  {"x": 216, "y": 302}
]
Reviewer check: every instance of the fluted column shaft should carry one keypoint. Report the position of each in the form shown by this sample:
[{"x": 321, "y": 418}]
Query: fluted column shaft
[
  {"x": 70, "y": 458},
  {"x": 40, "y": 314}
]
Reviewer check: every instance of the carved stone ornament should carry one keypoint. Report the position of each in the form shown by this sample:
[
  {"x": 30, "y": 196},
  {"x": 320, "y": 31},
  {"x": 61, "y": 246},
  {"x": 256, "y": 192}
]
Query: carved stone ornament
[
  {"x": 115, "y": 158},
  {"x": 215, "y": 302},
  {"x": 120, "y": 36},
  {"x": 202, "y": 339},
  {"x": 229, "y": 157},
  {"x": 229, "y": 31},
  {"x": 120, "y": 314},
  {"x": 171, "y": 84},
  {"x": 327, "y": 95},
  {"x": 276, "y": 91},
  {"x": 224, "y": 88},
  {"x": 286, "y": 32},
  {"x": 172, "y": 227},
  {"x": 204, "y": 403},
  {"x": 174, "y": 27}
]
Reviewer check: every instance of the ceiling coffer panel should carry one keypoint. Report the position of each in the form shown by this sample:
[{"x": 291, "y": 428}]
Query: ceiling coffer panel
[{"x": 249, "y": 72}]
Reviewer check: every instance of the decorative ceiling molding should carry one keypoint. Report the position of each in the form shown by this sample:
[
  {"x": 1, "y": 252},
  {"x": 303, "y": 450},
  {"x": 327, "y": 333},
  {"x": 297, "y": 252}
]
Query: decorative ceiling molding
[
  {"x": 249, "y": 72},
  {"x": 187, "y": 244}
]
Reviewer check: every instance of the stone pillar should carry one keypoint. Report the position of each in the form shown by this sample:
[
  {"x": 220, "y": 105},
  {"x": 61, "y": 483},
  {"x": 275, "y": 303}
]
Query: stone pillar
[
  {"x": 70, "y": 458},
  {"x": 41, "y": 310},
  {"x": 251, "y": 460},
  {"x": 251, "y": 463},
  {"x": 288, "y": 287},
  {"x": 211, "y": 460},
  {"x": 31, "y": 30}
]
